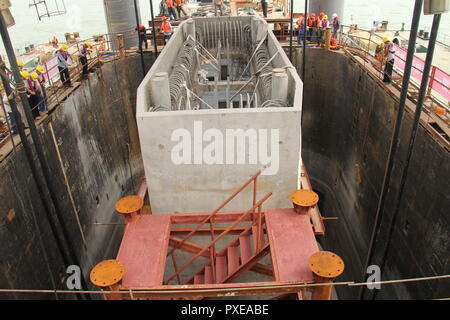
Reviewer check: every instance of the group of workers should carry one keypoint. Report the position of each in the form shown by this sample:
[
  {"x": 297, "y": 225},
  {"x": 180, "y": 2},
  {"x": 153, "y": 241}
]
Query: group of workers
[
  {"x": 316, "y": 25},
  {"x": 166, "y": 30},
  {"x": 35, "y": 82},
  {"x": 172, "y": 9}
]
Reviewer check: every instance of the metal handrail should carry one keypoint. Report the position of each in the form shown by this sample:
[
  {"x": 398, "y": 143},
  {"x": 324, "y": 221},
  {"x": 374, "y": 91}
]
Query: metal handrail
[
  {"x": 220, "y": 207},
  {"x": 223, "y": 234},
  {"x": 370, "y": 41},
  {"x": 104, "y": 46}
]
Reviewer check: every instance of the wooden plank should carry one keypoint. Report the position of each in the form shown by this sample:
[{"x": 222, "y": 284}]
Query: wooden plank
[
  {"x": 143, "y": 250},
  {"x": 292, "y": 242},
  {"x": 205, "y": 231},
  {"x": 189, "y": 247},
  {"x": 316, "y": 217},
  {"x": 197, "y": 217}
]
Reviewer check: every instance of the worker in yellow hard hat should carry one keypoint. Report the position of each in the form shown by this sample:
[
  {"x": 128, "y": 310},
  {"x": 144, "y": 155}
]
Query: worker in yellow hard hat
[
  {"x": 20, "y": 64},
  {"x": 25, "y": 75},
  {"x": 389, "y": 54},
  {"x": 85, "y": 50},
  {"x": 43, "y": 82},
  {"x": 31, "y": 88},
  {"x": 63, "y": 64},
  {"x": 39, "y": 95}
]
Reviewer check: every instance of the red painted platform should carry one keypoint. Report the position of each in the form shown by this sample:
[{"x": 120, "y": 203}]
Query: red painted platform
[
  {"x": 143, "y": 251},
  {"x": 292, "y": 242}
]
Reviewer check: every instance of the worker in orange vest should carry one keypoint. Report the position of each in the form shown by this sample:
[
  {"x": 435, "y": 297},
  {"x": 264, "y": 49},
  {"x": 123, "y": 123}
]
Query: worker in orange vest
[
  {"x": 309, "y": 25},
  {"x": 179, "y": 4},
  {"x": 172, "y": 12},
  {"x": 166, "y": 29},
  {"x": 300, "y": 23},
  {"x": 317, "y": 31}
]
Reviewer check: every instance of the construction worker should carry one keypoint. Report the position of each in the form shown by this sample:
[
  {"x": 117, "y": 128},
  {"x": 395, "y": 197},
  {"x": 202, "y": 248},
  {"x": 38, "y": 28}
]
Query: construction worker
[
  {"x": 179, "y": 4},
  {"x": 63, "y": 65},
  {"x": 9, "y": 115},
  {"x": 42, "y": 81},
  {"x": 389, "y": 54},
  {"x": 316, "y": 34},
  {"x": 84, "y": 50},
  {"x": 218, "y": 6},
  {"x": 163, "y": 9},
  {"x": 166, "y": 29},
  {"x": 31, "y": 91},
  {"x": 310, "y": 25},
  {"x": 264, "y": 7},
  {"x": 300, "y": 24},
  {"x": 324, "y": 25},
  {"x": 142, "y": 36},
  {"x": 336, "y": 23},
  {"x": 172, "y": 11},
  {"x": 42, "y": 106},
  {"x": 20, "y": 65}
]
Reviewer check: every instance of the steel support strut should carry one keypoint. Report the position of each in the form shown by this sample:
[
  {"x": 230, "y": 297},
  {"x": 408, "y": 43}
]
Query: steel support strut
[
  {"x": 136, "y": 12},
  {"x": 394, "y": 140},
  {"x": 412, "y": 139},
  {"x": 45, "y": 184},
  {"x": 153, "y": 29}
]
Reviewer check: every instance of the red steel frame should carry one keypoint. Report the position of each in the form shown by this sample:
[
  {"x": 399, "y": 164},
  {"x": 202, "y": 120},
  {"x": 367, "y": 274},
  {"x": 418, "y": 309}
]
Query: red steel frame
[{"x": 257, "y": 219}]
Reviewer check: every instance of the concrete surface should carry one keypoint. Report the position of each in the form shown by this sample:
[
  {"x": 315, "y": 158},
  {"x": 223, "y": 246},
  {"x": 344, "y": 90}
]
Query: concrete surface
[
  {"x": 347, "y": 125},
  {"x": 96, "y": 134}
]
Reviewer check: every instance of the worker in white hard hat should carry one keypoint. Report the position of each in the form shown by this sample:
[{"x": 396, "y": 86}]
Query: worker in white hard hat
[
  {"x": 336, "y": 23},
  {"x": 389, "y": 53}
]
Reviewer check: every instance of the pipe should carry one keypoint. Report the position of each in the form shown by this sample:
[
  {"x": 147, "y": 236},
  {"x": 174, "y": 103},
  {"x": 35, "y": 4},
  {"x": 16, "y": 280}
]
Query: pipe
[
  {"x": 136, "y": 12},
  {"x": 280, "y": 85},
  {"x": 395, "y": 138},
  {"x": 43, "y": 197},
  {"x": 38, "y": 147},
  {"x": 160, "y": 90},
  {"x": 292, "y": 30},
  {"x": 153, "y": 30},
  {"x": 304, "y": 42},
  {"x": 412, "y": 139}
]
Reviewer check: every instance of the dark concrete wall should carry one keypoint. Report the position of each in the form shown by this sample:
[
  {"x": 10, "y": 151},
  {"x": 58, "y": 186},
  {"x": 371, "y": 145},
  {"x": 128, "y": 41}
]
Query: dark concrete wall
[
  {"x": 348, "y": 121},
  {"x": 96, "y": 133}
]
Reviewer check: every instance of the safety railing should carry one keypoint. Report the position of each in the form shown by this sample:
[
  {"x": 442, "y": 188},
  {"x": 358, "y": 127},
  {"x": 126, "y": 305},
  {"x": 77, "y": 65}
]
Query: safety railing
[
  {"x": 365, "y": 44},
  {"x": 106, "y": 47},
  {"x": 256, "y": 212}
]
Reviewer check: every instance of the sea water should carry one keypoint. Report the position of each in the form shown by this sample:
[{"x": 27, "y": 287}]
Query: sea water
[{"x": 88, "y": 18}]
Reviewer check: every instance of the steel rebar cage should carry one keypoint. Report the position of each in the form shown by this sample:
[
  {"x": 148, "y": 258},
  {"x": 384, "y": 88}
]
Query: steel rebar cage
[{"x": 56, "y": 8}]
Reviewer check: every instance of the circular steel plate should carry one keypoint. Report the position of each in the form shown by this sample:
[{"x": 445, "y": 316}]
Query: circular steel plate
[
  {"x": 326, "y": 264},
  {"x": 305, "y": 198},
  {"x": 129, "y": 204},
  {"x": 107, "y": 273}
]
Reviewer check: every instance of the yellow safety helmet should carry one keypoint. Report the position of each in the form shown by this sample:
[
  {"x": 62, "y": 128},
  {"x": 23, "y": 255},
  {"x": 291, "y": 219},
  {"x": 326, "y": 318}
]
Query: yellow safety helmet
[
  {"x": 89, "y": 44},
  {"x": 20, "y": 63},
  {"x": 325, "y": 17},
  {"x": 64, "y": 47},
  {"x": 386, "y": 39},
  {"x": 25, "y": 75},
  {"x": 40, "y": 69},
  {"x": 34, "y": 76}
]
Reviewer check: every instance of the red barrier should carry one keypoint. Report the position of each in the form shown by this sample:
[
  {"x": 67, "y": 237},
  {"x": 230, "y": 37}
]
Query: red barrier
[
  {"x": 439, "y": 80},
  {"x": 441, "y": 83}
]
